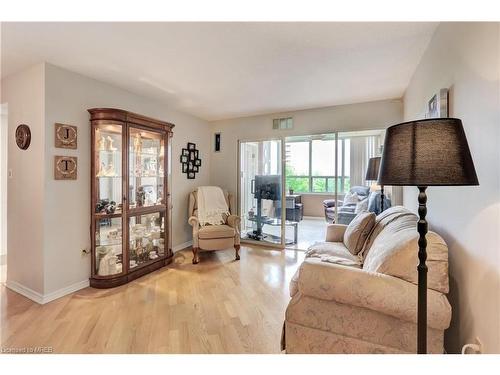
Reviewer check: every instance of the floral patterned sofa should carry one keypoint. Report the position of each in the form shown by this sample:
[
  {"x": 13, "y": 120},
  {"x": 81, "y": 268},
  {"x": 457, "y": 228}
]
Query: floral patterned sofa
[{"x": 367, "y": 302}]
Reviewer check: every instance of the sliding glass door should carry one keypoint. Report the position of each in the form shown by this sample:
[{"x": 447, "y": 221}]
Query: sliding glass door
[
  {"x": 260, "y": 188},
  {"x": 291, "y": 188}
]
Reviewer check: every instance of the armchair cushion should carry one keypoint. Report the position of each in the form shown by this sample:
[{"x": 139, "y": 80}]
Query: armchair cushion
[
  {"x": 216, "y": 231},
  {"x": 358, "y": 231},
  {"x": 374, "y": 291}
]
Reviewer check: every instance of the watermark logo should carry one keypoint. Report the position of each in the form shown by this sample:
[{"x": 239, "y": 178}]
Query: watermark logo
[{"x": 27, "y": 350}]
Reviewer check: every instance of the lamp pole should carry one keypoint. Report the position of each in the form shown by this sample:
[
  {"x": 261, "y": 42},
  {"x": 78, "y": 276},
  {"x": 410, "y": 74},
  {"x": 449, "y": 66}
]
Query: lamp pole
[
  {"x": 422, "y": 273},
  {"x": 381, "y": 198}
]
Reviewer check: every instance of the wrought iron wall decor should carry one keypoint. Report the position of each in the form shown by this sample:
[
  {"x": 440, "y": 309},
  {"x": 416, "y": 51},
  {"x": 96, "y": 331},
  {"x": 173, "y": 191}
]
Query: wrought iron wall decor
[{"x": 190, "y": 161}]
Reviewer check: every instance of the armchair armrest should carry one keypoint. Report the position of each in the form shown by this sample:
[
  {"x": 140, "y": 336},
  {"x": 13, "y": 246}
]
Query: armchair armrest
[
  {"x": 194, "y": 222},
  {"x": 234, "y": 221},
  {"x": 335, "y": 232},
  {"x": 374, "y": 291}
]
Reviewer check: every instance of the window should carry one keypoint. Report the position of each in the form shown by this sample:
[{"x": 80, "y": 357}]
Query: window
[
  {"x": 297, "y": 166},
  {"x": 310, "y": 166}
]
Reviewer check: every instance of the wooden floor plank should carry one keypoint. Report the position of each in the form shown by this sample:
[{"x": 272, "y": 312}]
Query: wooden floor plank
[{"x": 217, "y": 306}]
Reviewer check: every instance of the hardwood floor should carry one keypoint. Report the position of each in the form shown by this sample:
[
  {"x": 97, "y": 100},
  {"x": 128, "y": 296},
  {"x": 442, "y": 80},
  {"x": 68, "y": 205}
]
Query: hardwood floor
[{"x": 217, "y": 306}]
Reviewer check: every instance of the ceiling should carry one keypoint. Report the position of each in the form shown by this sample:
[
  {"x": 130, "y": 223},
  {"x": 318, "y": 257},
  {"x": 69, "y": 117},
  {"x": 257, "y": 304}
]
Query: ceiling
[{"x": 223, "y": 70}]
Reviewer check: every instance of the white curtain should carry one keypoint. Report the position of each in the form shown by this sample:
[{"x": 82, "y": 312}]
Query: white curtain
[{"x": 362, "y": 149}]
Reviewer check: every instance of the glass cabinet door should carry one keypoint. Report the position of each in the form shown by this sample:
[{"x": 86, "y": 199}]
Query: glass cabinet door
[
  {"x": 108, "y": 247},
  {"x": 146, "y": 168},
  {"x": 108, "y": 206},
  {"x": 146, "y": 238}
]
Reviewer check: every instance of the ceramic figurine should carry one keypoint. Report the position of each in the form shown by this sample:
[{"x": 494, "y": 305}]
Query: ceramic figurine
[
  {"x": 137, "y": 143},
  {"x": 101, "y": 144},
  {"x": 107, "y": 265},
  {"x": 110, "y": 171},
  {"x": 110, "y": 144},
  {"x": 140, "y": 196},
  {"x": 102, "y": 170}
]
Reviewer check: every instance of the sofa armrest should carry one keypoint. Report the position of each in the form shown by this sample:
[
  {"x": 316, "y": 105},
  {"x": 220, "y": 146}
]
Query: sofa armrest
[
  {"x": 335, "y": 232},
  {"x": 374, "y": 291}
]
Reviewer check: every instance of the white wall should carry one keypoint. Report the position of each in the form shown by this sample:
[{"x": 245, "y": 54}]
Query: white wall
[
  {"x": 67, "y": 216},
  {"x": 465, "y": 58},
  {"x": 363, "y": 116},
  {"x": 49, "y": 220},
  {"x": 4, "y": 124},
  {"x": 24, "y": 94}
]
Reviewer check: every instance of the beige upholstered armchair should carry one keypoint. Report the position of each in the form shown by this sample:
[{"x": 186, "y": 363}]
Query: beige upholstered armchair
[{"x": 213, "y": 237}]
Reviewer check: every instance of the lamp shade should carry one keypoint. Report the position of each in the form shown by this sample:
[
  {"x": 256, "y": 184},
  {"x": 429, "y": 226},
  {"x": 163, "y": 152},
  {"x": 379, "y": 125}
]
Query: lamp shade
[
  {"x": 372, "y": 170},
  {"x": 431, "y": 152}
]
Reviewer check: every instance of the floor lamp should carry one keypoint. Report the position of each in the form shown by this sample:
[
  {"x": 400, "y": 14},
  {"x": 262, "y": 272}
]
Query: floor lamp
[
  {"x": 432, "y": 152},
  {"x": 372, "y": 175}
]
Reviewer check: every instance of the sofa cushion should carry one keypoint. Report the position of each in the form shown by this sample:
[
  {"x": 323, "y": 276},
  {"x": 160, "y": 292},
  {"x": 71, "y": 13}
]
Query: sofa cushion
[
  {"x": 333, "y": 252},
  {"x": 216, "y": 231},
  {"x": 395, "y": 252},
  {"x": 357, "y": 232},
  {"x": 398, "y": 216}
]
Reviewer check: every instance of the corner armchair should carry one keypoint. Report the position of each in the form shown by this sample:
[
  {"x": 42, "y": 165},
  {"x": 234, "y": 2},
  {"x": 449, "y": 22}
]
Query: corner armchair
[{"x": 213, "y": 237}]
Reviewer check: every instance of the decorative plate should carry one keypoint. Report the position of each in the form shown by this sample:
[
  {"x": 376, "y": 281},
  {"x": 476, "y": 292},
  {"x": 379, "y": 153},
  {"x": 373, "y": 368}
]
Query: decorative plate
[{"x": 23, "y": 136}]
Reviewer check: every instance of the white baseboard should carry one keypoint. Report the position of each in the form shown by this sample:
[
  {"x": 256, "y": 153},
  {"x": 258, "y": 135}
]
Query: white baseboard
[
  {"x": 65, "y": 291},
  {"x": 24, "y": 291},
  {"x": 45, "y": 298},
  {"x": 182, "y": 246},
  {"x": 314, "y": 217}
]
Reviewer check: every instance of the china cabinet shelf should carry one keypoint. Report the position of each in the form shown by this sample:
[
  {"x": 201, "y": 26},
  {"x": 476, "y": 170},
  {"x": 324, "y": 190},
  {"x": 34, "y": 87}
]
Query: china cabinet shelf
[
  {"x": 135, "y": 237},
  {"x": 99, "y": 215}
]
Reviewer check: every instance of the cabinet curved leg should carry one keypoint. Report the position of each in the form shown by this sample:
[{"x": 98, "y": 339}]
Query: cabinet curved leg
[
  {"x": 237, "y": 251},
  {"x": 195, "y": 255}
]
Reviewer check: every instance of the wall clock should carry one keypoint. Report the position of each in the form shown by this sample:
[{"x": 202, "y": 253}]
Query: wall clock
[{"x": 23, "y": 136}]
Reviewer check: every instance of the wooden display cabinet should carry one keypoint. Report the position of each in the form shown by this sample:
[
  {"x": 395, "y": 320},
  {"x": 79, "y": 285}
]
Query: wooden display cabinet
[{"x": 130, "y": 196}]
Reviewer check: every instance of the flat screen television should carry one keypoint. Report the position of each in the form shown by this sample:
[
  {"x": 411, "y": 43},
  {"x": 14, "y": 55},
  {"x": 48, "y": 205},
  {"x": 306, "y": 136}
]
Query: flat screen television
[{"x": 268, "y": 187}]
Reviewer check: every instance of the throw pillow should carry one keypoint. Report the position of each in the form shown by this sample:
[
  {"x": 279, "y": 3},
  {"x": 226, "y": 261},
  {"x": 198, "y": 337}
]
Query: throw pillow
[
  {"x": 361, "y": 206},
  {"x": 358, "y": 231},
  {"x": 351, "y": 198}
]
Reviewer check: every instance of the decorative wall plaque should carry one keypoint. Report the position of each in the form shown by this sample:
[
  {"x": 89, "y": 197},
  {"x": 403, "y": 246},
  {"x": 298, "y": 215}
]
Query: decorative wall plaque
[
  {"x": 217, "y": 142},
  {"x": 65, "y": 167},
  {"x": 190, "y": 161},
  {"x": 23, "y": 136},
  {"x": 65, "y": 136}
]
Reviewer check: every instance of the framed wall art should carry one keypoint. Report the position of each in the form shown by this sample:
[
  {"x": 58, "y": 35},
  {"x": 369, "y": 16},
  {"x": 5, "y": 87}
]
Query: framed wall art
[
  {"x": 65, "y": 136},
  {"x": 217, "y": 142},
  {"x": 190, "y": 160},
  {"x": 65, "y": 167},
  {"x": 437, "y": 106}
]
